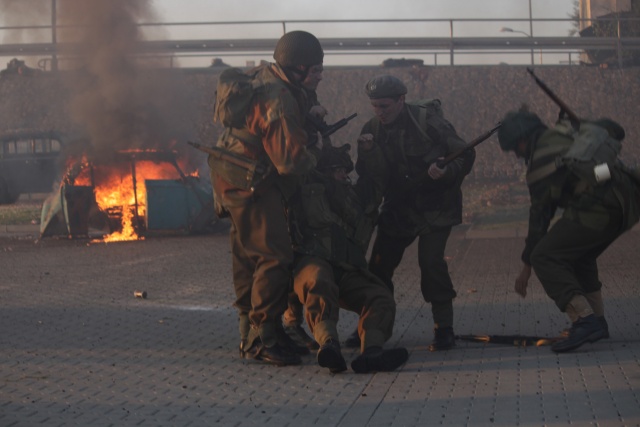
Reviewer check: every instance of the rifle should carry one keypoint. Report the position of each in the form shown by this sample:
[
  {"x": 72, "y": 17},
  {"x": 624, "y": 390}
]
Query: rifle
[
  {"x": 327, "y": 130},
  {"x": 230, "y": 157},
  {"x": 451, "y": 157},
  {"x": 516, "y": 340},
  {"x": 564, "y": 108},
  {"x": 414, "y": 184}
]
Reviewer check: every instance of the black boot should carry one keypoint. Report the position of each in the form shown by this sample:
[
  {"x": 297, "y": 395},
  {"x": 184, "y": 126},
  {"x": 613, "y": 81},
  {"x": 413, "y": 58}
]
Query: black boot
[
  {"x": 286, "y": 341},
  {"x": 603, "y": 322},
  {"x": 353, "y": 340},
  {"x": 300, "y": 337},
  {"x": 443, "y": 339},
  {"x": 584, "y": 330},
  {"x": 276, "y": 354},
  {"x": 375, "y": 359},
  {"x": 330, "y": 356}
]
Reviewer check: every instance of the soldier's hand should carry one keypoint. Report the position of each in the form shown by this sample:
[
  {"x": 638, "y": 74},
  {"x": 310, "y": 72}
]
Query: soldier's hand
[
  {"x": 318, "y": 111},
  {"x": 365, "y": 141},
  {"x": 435, "y": 172},
  {"x": 522, "y": 281}
]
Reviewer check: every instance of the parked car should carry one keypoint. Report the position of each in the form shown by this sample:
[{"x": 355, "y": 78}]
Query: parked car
[{"x": 29, "y": 162}]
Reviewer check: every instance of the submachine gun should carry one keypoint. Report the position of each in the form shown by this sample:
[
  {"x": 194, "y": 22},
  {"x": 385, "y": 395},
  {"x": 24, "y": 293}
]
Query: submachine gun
[
  {"x": 414, "y": 184},
  {"x": 327, "y": 130}
]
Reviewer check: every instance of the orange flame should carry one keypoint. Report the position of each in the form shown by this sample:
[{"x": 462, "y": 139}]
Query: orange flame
[{"x": 114, "y": 192}]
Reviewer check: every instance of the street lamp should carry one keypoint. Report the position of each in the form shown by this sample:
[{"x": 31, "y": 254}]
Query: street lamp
[{"x": 511, "y": 30}]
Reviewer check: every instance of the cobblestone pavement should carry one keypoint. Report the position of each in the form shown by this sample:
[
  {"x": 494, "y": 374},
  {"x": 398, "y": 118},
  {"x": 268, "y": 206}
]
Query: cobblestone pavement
[{"x": 77, "y": 348}]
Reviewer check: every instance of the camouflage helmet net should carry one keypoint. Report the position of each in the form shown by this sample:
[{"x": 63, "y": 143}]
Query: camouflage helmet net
[
  {"x": 517, "y": 126},
  {"x": 298, "y": 48}
]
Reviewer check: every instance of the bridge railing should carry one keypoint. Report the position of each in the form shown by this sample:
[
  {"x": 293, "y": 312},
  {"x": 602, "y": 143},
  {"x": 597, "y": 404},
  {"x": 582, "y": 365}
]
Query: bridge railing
[{"x": 435, "y": 41}]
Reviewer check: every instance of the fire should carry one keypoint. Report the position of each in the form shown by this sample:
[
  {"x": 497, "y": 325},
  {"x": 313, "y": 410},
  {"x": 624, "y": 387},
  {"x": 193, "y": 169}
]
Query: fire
[{"x": 120, "y": 191}]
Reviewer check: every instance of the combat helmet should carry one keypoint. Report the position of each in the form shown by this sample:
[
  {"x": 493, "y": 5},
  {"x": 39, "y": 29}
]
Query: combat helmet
[
  {"x": 298, "y": 48},
  {"x": 335, "y": 157},
  {"x": 517, "y": 126}
]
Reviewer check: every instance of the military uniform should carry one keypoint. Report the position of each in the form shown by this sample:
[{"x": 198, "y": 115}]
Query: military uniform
[
  {"x": 428, "y": 212},
  {"x": 596, "y": 211},
  {"x": 332, "y": 222},
  {"x": 274, "y": 138},
  {"x": 564, "y": 257}
]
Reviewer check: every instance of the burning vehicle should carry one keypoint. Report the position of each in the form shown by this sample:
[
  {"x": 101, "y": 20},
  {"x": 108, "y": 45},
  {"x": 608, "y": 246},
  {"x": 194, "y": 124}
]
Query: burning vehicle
[{"x": 132, "y": 194}]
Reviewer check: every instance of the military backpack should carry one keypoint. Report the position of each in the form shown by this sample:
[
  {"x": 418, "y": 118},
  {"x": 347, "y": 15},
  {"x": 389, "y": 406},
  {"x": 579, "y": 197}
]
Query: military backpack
[{"x": 234, "y": 93}]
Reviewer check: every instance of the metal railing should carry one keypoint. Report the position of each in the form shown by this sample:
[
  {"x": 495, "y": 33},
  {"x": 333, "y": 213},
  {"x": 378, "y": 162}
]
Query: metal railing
[{"x": 432, "y": 38}]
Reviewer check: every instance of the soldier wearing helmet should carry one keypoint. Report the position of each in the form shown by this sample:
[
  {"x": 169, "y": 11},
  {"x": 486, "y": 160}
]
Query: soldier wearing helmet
[
  {"x": 274, "y": 138},
  {"x": 564, "y": 255},
  {"x": 413, "y": 136},
  {"x": 331, "y": 223}
]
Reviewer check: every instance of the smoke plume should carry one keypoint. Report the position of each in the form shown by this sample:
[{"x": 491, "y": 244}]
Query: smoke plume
[{"x": 120, "y": 101}]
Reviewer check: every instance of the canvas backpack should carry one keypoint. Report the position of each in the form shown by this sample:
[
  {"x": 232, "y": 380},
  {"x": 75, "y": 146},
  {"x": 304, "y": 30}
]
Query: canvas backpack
[
  {"x": 592, "y": 156},
  {"x": 234, "y": 93}
]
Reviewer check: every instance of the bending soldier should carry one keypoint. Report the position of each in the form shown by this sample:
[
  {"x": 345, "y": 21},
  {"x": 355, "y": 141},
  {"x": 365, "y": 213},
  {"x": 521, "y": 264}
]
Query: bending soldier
[{"x": 596, "y": 211}]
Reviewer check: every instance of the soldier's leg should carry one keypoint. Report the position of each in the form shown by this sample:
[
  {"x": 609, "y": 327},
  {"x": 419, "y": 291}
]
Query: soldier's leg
[
  {"x": 262, "y": 234},
  {"x": 437, "y": 287},
  {"x": 564, "y": 248},
  {"x": 242, "y": 272},
  {"x": 560, "y": 252},
  {"x": 293, "y": 318},
  {"x": 314, "y": 283},
  {"x": 365, "y": 294},
  {"x": 386, "y": 255}
]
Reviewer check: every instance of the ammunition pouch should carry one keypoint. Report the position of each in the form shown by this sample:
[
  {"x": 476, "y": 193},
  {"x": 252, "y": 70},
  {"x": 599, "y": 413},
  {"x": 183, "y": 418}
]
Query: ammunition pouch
[{"x": 240, "y": 171}]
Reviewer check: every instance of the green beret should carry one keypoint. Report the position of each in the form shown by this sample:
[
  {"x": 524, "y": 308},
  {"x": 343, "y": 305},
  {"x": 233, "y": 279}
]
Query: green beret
[{"x": 385, "y": 86}]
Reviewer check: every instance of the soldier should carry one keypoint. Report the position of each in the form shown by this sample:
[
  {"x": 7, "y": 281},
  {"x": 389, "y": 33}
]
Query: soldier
[
  {"x": 413, "y": 137},
  {"x": 564, "y": 257},
  {"x": 332, "y": 222},
  {"x": 274, "y": 138}
]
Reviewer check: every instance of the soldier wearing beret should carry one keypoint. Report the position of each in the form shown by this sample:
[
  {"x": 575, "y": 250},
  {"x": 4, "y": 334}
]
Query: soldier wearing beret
[{"x": 412, "y": 137}]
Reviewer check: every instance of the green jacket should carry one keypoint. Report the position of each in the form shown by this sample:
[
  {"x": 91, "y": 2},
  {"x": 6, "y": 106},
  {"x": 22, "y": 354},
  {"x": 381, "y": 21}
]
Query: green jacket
[
  {"x": 593, "y": 206},
  {"x": 413, "y": 205},
  {"x": 335, "y": 220}
]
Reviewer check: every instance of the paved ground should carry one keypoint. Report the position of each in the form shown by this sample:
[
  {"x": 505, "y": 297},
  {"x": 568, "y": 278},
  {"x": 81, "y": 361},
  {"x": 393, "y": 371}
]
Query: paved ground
[{"x": 77, "y": 348}]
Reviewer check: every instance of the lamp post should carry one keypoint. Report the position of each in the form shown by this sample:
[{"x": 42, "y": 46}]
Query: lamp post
[{"x": 511, "y": 30}]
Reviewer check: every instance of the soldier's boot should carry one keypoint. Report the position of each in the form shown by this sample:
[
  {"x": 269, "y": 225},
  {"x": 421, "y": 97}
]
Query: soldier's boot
[
  {"x": 443, "y": 339},
  {"x": 300, "y": 337},
  {"x": 330, "y": 356},
  {"x": 376, "y": 359},
  {"x": 603, "y": 322},
  {"x": 443, "y": 336},
  {"x": 586, "y": 329},
  {"x": 353, "y": 340},
  {"x": 286, "y": 341},
  {"x": 276, "y": 354}
]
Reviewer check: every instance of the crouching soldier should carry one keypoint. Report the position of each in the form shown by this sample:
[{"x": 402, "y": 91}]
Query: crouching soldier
[
  {"x": 578, "y": 171},
  {"x": 331, "y": 224}
]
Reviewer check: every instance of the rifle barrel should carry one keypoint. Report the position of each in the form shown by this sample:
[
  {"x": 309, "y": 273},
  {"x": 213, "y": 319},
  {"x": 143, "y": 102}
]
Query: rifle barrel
[{"x": 451, "y": 157}]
